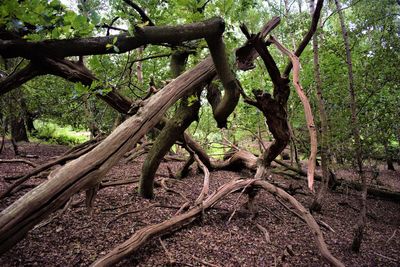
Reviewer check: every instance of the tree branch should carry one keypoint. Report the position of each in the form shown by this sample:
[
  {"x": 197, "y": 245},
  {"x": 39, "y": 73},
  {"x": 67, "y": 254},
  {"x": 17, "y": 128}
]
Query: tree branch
[
  {"x": 20, "y": 77},
  {"x": 141, "y": 12},
  {"x": 307, "y": 111},
  {"x": 307, "y": 37},
  {"x": 100, "y": 45}
]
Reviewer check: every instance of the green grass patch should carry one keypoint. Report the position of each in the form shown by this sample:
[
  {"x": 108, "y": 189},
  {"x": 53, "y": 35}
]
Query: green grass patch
[{"x": 53, "y": 133}]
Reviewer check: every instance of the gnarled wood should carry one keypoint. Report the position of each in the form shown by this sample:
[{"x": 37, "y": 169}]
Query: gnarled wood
[
  {"x": 231, "y": 96},
  {"x": 173, "y": 129},
  {"x": 145, "y": 234}
]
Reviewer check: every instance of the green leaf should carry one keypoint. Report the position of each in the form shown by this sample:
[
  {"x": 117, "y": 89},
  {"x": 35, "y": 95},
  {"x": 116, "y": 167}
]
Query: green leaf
[{"x": 192, "y": 100}]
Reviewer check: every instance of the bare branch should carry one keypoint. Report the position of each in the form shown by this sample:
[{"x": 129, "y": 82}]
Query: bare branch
[
  {"x": 307, "y": 37},
  {"x": 141, "y": 12},
  {"x": 307, "y": 111}
]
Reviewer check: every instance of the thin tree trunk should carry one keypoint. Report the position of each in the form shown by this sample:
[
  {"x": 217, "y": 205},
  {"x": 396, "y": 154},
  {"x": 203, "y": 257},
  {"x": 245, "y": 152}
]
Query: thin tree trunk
[
  {"x": 90, "y": 117},
  {"x": 139, "y": 69},
  {"x": 317, "y": 203},
  {"x": 359, "y": 228},
  {"x": 388, "y": 156}
]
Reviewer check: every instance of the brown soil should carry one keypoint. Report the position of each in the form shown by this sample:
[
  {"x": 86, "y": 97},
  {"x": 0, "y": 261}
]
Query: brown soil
[{"x": 77, "y": 239}]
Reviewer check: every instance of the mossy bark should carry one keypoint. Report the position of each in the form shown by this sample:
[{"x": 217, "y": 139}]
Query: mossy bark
[
  {"x": 173, "y": 130},
  {"x": 187, "y": 113}
]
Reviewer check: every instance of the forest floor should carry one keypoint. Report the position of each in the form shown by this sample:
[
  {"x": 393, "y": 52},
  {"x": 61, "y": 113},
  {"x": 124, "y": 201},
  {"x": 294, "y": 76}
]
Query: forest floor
[{"x": 77, "y": 239}]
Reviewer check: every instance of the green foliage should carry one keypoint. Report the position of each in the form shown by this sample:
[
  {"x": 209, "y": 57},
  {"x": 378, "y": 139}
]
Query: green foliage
[
  {"x": 373, "y": 33},
  {"x": 40, "y": 19},
  {"x": 55, "y": 134}
]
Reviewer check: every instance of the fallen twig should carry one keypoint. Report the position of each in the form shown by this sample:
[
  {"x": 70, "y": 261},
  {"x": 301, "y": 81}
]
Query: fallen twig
[
  {"x": 237, "y": 200},
  {"x": 30, "y": 163},
  {"x": 169, "y": 189},
  {"x": 56, "y": 215},
  {"x": 118, "y": 182},
  {"x": 184, "y": 207},
  {"x": 265, "y": 232},
  {"x": 60, "y": 160},
  {"x": 319, "y": 222},
  {"x": 129, "y": 212},
  {"x": 386, "y": 257},
  {"x": 391, "y": 237},
  {"x": 203, "y": 262},
  {"x": 171, "y": 259}
]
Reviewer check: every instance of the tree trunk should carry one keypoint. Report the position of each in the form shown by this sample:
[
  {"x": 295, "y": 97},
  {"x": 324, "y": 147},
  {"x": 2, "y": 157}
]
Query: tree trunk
[
  {"x": 359, "y": 229},
  {"x": 186, "y": 113},
  {"x": 18, "y": 129},
  {"x": 388, "y": 156},
  {"x": 90, "y": 117},
  {"x": 88, "y": 170},
  {"x": 17, "y": 122},
  {"x": 317, "y": 203}
]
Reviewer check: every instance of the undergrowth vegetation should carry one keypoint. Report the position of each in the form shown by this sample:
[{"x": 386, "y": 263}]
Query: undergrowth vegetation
[{"x": 53, "y": 133}]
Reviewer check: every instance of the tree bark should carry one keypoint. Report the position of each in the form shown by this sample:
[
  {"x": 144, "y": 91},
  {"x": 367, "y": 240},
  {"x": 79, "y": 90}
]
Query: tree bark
[
  {"x": 244, "y": 159},
  {"x": 359, "y": 229},
  {"x": 232, "y": 86},
  {"x": 307, "y": 111},
  {"x": 18, "y": 78}
]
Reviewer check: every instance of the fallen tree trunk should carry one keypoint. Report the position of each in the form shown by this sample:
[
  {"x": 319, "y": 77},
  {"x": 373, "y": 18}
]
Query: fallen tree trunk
[
  {"x": 177, "y": 222},
  {"x": 88, "y": 170},
  {"x": 244, "y": 159}
]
